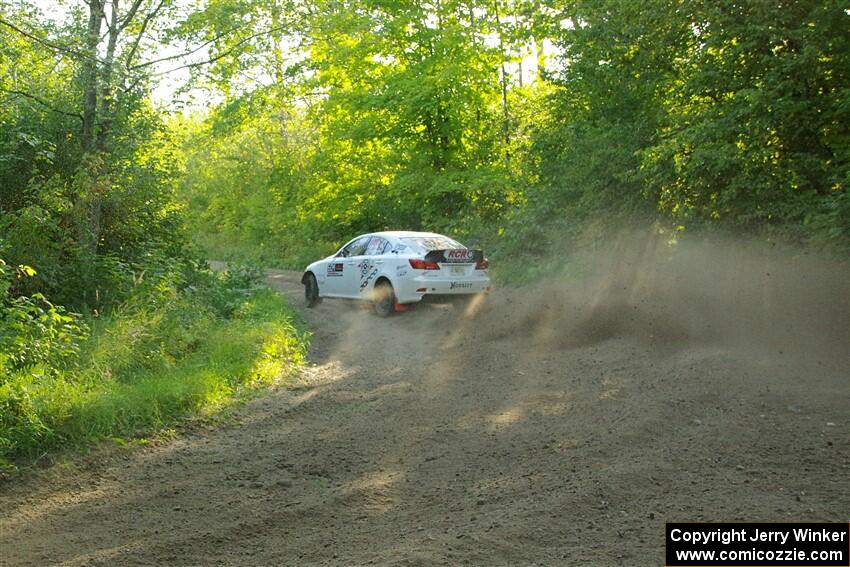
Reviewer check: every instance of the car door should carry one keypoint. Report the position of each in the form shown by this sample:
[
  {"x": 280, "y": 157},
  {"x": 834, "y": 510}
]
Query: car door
[
  {"x": 336, "y": 268},
  {"x": 341, "y": 277},
  {"x": 372, "y": 263}
]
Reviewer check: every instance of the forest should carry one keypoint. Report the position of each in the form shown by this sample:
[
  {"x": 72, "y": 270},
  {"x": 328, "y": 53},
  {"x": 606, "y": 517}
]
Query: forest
[{"x": 141, "y": 138}]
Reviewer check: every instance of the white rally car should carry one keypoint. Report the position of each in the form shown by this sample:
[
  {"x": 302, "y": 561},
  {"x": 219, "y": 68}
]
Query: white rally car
[{"x": 395, "y": 269}]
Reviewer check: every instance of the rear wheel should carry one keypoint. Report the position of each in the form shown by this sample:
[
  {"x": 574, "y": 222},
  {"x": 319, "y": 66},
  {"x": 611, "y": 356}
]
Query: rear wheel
[
  {"x": 311, "y": 291},
  {"x": 384, "y": 299}
]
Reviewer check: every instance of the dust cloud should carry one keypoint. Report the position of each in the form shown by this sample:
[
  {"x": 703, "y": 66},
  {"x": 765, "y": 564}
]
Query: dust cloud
[{"x": 750, "y": 298}]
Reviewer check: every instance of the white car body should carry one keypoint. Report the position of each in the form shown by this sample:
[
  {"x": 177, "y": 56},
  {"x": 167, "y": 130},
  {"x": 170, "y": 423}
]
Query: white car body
[{"x": 399, "y": 258}]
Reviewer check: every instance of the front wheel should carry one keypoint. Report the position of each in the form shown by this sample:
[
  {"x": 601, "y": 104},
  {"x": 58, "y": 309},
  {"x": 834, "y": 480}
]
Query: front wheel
[
  {"x": 311, "y": 291},
  {"x": 384, "y": 299}
]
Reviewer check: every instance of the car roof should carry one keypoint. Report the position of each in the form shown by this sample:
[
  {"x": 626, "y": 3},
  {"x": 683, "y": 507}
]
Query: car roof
[{"x": 406, "y": 233}]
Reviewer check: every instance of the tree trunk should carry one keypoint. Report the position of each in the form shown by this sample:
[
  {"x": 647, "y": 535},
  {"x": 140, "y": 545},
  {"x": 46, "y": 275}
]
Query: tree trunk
[
  {"x": 106, "y": 80},
  {"x": 88, "y": 138},
  {"x": 541, "y": 58},
  {"x": 90, "y": 75},
  {"x": 506, "y": 123}
]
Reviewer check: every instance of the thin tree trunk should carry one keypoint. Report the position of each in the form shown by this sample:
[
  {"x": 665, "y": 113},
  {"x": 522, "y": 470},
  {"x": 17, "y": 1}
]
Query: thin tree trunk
[
  {"x": 277, "y": 52},
  {"x": 506, "y": 124},
  {"x": 473, "y": 29},
  {"x": 90, "y": 75},
  {"x": 541, "y": 58},
  {"x": 106, "y": 80},
  {"x": 88, "y": 138}
]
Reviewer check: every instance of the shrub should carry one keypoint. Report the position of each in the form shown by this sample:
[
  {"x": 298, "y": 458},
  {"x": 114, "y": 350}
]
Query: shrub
[
  {"x": 160, "y": 356},
  {"x": 34, "y": 331}
]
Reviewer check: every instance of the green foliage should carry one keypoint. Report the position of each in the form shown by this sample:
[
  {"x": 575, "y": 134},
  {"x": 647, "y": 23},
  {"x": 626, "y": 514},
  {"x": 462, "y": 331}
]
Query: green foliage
[
  {"x": 90, "y": 222},
  {"x": 755, "y": 127},
  {"x": 158, "y": 358},
  {"x": 417, "y": 116},
  {"x": 242, "y": 275},
  {"x": 34, "y": 331},
  {"x": 410, "y": 130},
  {"x": 138, "y": 224}
]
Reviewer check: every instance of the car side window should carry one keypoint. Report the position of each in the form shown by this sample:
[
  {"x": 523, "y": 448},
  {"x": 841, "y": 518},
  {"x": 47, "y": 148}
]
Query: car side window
[
  {"x": 356, "y": 248},
  {"x": 376, "y": 246},
  {"x": 344, "y": 253}
]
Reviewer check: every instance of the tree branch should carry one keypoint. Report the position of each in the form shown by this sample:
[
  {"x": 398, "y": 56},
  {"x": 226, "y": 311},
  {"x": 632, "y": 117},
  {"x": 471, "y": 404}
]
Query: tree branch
[
  {"x": 131, "y": 13},
  {"x": 148, "y": 17},
  {"x": 222, "y": 55},
  {"x": 187, "y": 53},
  {"x": 46, "y": 43},
  {"x": 43, "y": 103}
]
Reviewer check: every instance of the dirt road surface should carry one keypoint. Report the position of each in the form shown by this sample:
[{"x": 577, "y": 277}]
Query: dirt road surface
[{"x": 488, "y": 435}]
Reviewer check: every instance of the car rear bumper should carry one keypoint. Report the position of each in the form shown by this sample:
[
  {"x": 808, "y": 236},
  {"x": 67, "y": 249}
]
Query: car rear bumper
[{"x": 415, "y": 289}]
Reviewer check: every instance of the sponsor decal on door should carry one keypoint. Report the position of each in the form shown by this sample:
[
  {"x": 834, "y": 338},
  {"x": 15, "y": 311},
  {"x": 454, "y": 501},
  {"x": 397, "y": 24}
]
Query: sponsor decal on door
[{"x": 367, "y": 272}]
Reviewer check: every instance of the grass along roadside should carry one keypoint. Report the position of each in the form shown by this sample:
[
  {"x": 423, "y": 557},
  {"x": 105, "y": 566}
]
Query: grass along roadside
[{"x": 145, "y": 368}]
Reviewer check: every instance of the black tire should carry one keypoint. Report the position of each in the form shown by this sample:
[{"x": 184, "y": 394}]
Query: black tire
[
  {"x": 311, "y": 291},
  {"x": 383, "y": 299}
]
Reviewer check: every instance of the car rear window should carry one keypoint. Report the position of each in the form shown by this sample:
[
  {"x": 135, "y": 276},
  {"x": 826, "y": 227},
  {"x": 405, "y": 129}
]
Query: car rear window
[{"x": 428, "y": 243}]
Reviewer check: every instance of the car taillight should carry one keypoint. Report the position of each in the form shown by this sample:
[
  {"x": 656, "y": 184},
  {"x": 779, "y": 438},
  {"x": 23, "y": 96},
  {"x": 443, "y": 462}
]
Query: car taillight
[
  {"x": 418, "y": 264},
  {"x": 482, "y": 264}
]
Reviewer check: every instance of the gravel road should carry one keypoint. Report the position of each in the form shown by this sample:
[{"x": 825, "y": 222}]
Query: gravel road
[{"x": 527, "y": 430}]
